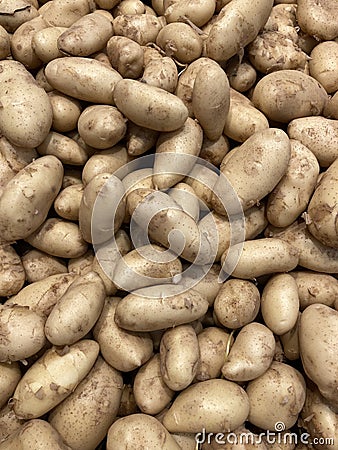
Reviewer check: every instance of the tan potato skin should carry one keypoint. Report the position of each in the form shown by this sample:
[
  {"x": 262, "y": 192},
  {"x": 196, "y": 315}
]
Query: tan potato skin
[
  {"x": 141, "y": 28},
  {"x": 161, "y": 72},
  {"x": 64, "y": 148},
  {"x": 99, "y": 394},
  {"x": 15, "y": 13},
  {"x": 9, "y": 423},
  {"x": 65, "y": 12},
  {"x": 66, "y": 111},
  {"x": 125, "y": 56},
  {"x": 10, "y": 375},
  {"x": 199, "y": 12},
  {"x": 323, "y": 65},
  {"x": 33, "y": 191},
  {"x": 38, "y": 265},
  {"x": 149, "y": 106},
  {"x": 67, "y": 203},
  {"x": 12, "y": 272},
  {"x": 44, "y": 43},
  {"x": 317, "y": 20}
]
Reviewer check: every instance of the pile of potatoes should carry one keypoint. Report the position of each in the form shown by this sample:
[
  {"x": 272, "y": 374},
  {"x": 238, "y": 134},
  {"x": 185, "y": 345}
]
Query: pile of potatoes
[{"x": 107, "y": 339}]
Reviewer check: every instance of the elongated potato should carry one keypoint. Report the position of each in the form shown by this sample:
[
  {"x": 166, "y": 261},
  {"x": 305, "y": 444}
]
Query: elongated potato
[
  {"x": 65, "y": 12},
  {"x": 161, "y": 72},
  {"x": 53, "y": 377},
  {"x": 222, "y": 406},
  {"x": 83, "y": 78},
  {"x": 33, "y": 191},
  {"x": 67, "y": 150},
  {"x": 21, "y": 121},
  {"x": 199, "y": 12},
  {"x": 66, "y": 111},
  {"x": 125, "y": 56},
  {"x": 44, "y": 43},
  {"x": 12, "y": 272},
  {"x": 97, "y": 399},
  {"x": 10, "y": 375},
  {"x": 141, "y": 28},
  {"x": 237, "y": 25},
  {"x": 38, "y": 265}
]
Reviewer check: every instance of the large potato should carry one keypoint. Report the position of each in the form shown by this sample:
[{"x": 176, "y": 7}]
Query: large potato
[
  {"x": 12, "y": 272},
  {"x": 149, "y": 106},
  {"x": 10, "y": 374},
  {"x": 32, "y": 191},
  {"x": 26, "y": 113},
  {"x": 38, "y": 265},
  {"x": 317, "y": 19}
]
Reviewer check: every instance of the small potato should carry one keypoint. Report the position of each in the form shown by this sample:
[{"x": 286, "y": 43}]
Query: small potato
[
  {"x": 125, "y": 56},
  {"x": 129, "y": 7},
  {"x": 202, "y": 179},
  {"x": 83, "y": 264},
  {"x": 213, "y": 344},
  {"x": 42, "y": 295},
  {"x": 280, "y": 303},
  {"x": 38, "y": 266},
  {"x": 224, "y": 39},
  {"x": 288, "y": 94},
  {"x": 37, "y": 434},
  {"x": 87, "y": 35},
  {"x": 77, "y": 310},
  {"x": 180, "y": 41},
  {"x": 214, "y": 151},
  {"x": 151, "y": 393},
  {"x": 318, "y": 341},
  {"x": 15, "y": 13},
  {"x": 323, "y": 65},
  {"x": 137, "y": 431},
  {"x": 316, "y": 19},
  {"x": 97, "y": 400},
  {"x": 211, "y": 100},
  {"x": 292, "y": 194},
  {"x": 179, "y": 355},
  {"x": 149, "y": 106},
  {"x": 290, "y": 342},
  {"x": 222, "y": 406},
  {"x": 101, "y": 126},
  {"x": 71, "y": 176},
  {"x": 331, "y": 108},
  {"x": 276, "y": 396},
  {"x": 23, "y": 333},
  {"x": 318, "y": 134},
  {"x": 33, "y": 191},
  {"x": 64, "y": 148},
  {"x": 237, "y": 303},
  {"x": 10, "y": 375},
  {"x": 9, "y": 423},
  {"x": 147, "y": 310},
  {"x": 12, "y": 271},
  {"x": 315, "y": 288},
  {"x": 141, "y": 28},
  {"x": 185, "y": 197},
  {"x": 5, "y": 45},
  {"x": 42, "y": 80},
  {"x": 53, "y": 377},
  {"x": 199, "y": 12},
  {"x": 66, "y": 111},
  {"x": 58, "y": 237},
  {"x": 67, "y": 203},
  {"x": 161, "y": 73},
  {"x": 65, "y": 12},
  {"x": 44, "y": 43},
  {"x": 21, "y": 121},
  {"x": 242, "y": 77},
  {"x": 251, "y": 354},
  {"x": 265, "y": 256},
  {"x": 121, "y": 349},
  {"x": 140, "y": 139},
  {"x": 94, "y": 83},
  {"x": 322, "y": 213}
]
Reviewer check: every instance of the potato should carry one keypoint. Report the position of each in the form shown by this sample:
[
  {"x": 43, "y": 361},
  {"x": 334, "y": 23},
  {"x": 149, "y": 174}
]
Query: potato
[
  {"x": 176, "y": 153},
  {"x": 141, "y": 28},
  {"x": 15, "y": 13},
  {"x": 66, "y": 111},
  {"x": 203, "y": 280},
  {"x": 42, "y": 295},
  {"x": 107, "y": 4},
  {"x": 121, "y": 349},
  {"x": 83, "y": 264},
  {"x": 199, "y": 12},
  {"x": 280, "y": 303},
  {"x": 66, "y": 12},
  {"x": 44, "y": 44},
  {"x": 33, "y": 191},
  {"x": 322, "y": 214},
  {"x": 180, "y": 41},
  {"x": 22, "y": 331},
  {"x": 150, "y": 391},
  {"x": 42, "y": 80},
  {"x": 10, "y": 375},
  {"x": 53, "y": 377},
  {"x": 161, "y": 73},
  {"x": 318, "y": 343},
  {"x": 323, "y": 65},
  {"x": 129, "y": 7},
  {"x": 83, "y": 78},
  {"x": 157, "y": 307},
  {"x": 71, "y": 176},
  {"x": 97, "y": 398},
  {"x": 316, "y": 19},
  {"x": 290, "y": 342},
  {"x": 87, "y": 35},
  {"x": 230, "y": 33},
  {"x": 38, "y": 266},
  {"x": 211, "y": 100},
  {"x": 214, "y": 151},
  {"x": 37, "y": 434},
  {"x": 237, "y": 303},
  {"x": 202, "y": 179},
  {"x": 101, "y": 126},
  {"x": 21, "y": 121},
  {"x": 67, "y": 203},
  {"x": 77, "y": 310},
  {"x": 185, "y": 197},
  {"x": 9, "y": 423},
  {"x": 125, "y": 56},
  {"x": 67, "y": 150},
  {"x": 288, "y": 94},
  {"x": 222, "y": 406},
  {"x": 265, "y": 256},
  {"x": 99, "y": 222},
  {"x": 12, "y": 272},
  {"x": 149, "y": 106},
  {"x": 242, "y": 77},
  {"x": 138, "y": 430},
  {"x": 283, "y": 20},
  {"x": 280, "y": 385},
  {"x": 331, "y": 108},
  {"x": 261, "y": 170},
  {"x": 315, "y": 288},
  {"x": 318, "y": 134}
]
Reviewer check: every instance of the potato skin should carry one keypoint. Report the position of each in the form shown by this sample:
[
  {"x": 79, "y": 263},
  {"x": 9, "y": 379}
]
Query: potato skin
[
  {"x": 10, "y": 375},
  {"x": 316, "y": 19},
  {"x": 67, "y": 203},
  {"x": 161, "y": 72},
  {"x": 66, "y": 111},
  {"x": 33, "y": 191},
  {"x": 67, "y": 150},
  {"x": 125, "y": 56},
  {"x": 38, "y": 265},
  {"x": 12, "y": 272},
  {"x": 44, "y": 43},
  {"x": 199, "y": 12},
  {"x": 141, "y": 28}
]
